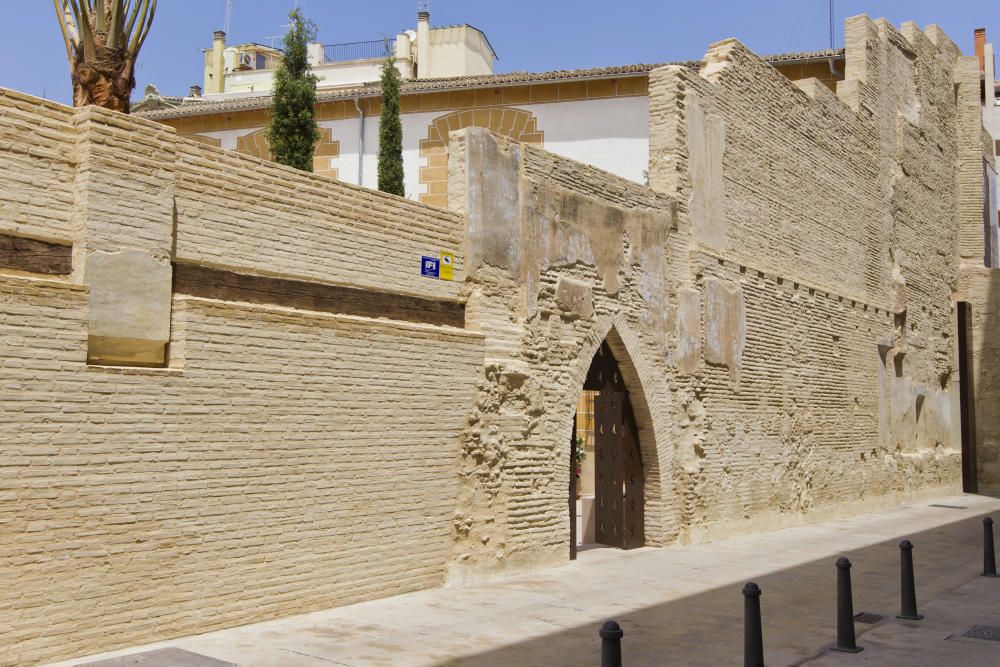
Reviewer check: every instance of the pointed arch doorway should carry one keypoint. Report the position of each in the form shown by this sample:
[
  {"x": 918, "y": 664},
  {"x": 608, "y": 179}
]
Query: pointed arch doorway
[{"x": 607, "y": 503}]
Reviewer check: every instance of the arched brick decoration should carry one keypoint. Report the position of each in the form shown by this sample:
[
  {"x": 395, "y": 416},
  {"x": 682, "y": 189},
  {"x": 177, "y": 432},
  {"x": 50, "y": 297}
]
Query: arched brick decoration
[
  {"x": 255, "y": 144},
  {"x": 517, "y": 124},
  {"x": 326, "y": 150}
]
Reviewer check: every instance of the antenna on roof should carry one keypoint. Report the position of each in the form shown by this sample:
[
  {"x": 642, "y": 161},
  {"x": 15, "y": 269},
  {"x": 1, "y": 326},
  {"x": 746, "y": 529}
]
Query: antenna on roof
[
  {"x": 831, "y": 25},
  {"x": 229, "y": 15},
  {"x": 424, "y": 6}
]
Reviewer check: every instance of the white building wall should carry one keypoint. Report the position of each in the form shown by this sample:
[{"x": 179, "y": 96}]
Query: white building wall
[
  {"x": 250, "y": 81},
  {"x": 349, "y": 73},
  {"x": 610, "y": 134},
  {"x": 996, "y": 122},
  {"x": 457, "y": 51},
  {"x": 228, "y": 137},
  {"x": 478, "y": 54},
  {"x": 989, "y": 79},
  {"x": 346, "y": 132}
]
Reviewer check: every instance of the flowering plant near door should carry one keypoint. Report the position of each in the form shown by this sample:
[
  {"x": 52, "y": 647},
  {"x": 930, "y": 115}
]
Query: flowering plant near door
[{"x": 581, "y": 456}]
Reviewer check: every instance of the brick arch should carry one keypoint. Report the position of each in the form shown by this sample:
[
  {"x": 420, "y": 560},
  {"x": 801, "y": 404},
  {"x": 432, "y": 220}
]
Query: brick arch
[
  {"x": 645, "y": 391},
  {"x": 254, "y": 144},
  {"x": 327, "y": 148},
  {"x": 516, "y": 124}
]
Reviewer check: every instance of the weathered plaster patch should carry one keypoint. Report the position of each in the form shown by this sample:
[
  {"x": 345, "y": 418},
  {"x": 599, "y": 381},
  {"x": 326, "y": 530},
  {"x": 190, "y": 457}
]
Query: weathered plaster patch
[
  {"x": 706, "y": 144},
  {"x": 725, "y": 325},
  {"x": 649, "y": 235},
  {"x": 563, "y": 228},
  {"x": 574, "y": 298},
  {"x": 689, "y": 330},
  {"x": 494, "y": 227}
]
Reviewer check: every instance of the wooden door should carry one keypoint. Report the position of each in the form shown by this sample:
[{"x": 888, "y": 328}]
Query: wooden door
[
  {"x": 609, "y": 511},
  {"x": 572, "y": 492},
  {"x": 632, "y": 477},
  {"x": 618, "y": 488}
]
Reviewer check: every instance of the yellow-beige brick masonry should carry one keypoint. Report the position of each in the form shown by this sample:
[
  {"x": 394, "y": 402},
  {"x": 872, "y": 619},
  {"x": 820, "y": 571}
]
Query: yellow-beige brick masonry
[{"x": 781, "y": 303}]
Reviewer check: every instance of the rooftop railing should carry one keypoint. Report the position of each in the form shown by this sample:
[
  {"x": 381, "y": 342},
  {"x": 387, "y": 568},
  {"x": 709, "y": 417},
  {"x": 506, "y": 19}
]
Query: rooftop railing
[{"x": 377, "y": 48}]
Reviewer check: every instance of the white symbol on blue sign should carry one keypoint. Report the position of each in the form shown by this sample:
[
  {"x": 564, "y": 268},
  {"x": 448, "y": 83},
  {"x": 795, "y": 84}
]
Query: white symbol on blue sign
[{"x": 430, "y": 267}]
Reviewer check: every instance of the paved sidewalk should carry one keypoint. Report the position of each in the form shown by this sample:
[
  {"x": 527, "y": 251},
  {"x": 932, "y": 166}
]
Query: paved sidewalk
[{"x": 677, "y": 606}]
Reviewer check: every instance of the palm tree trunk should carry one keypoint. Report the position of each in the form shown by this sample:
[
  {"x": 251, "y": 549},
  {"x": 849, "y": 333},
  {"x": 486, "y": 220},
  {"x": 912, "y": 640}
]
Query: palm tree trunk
[{"x": 107, "y": 81}]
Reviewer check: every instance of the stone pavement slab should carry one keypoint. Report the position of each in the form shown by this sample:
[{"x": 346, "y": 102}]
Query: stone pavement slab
[
  {"x": 937, "y": 638},
  {"x": 161, "y": 657},
  {"x": 678, "y": 606}
]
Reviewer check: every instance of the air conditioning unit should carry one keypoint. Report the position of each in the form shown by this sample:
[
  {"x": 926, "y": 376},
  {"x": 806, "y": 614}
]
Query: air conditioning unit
[{"x": 246, "y": 61}]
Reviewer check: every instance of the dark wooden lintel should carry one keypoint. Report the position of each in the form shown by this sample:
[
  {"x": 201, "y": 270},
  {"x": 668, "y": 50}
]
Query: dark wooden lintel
[
  {"x": 33, "y": 256},
  {"x": 231, "y": 286}
]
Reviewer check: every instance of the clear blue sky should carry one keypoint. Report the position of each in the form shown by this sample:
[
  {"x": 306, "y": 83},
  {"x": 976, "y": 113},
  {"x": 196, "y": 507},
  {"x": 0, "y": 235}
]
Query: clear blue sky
[{"x": 534, "y": 35}]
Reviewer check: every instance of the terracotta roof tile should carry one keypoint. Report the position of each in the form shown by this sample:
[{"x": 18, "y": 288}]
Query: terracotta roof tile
[{"x": 371, "y": 89}]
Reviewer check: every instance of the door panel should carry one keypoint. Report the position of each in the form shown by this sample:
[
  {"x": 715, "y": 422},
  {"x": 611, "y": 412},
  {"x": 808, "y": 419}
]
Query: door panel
[
  {"x": 618, "y": 487},
  {"x": 633, "y": 477},
  {"x": 609, "y": 513},
  {"x": 572, "y": 492}
]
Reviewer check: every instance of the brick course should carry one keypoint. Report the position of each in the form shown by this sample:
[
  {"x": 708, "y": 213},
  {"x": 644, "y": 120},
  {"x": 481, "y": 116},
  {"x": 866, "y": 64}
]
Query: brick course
[{"x": 780, "y": 302}]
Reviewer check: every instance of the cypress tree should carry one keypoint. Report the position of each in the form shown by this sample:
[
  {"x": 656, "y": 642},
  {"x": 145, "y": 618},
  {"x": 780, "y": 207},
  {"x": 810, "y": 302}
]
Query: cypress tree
[
  {"x": 291, "y": 130},
  {"x": 390, "y": 134}
]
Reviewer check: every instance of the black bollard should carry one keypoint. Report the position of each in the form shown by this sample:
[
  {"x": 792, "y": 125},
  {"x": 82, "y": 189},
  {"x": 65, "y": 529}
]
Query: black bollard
[
  {"x": 989, "y": 555},
  {"x": 611, "y": 644},
  {"x": 907, "y": 589},
  {"x": 845, "y": 609},
  {"x": 753, "y": 639}
]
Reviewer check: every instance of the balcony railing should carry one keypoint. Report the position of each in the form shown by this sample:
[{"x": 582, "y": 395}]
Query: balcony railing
[{"x": 377, "y": 48}]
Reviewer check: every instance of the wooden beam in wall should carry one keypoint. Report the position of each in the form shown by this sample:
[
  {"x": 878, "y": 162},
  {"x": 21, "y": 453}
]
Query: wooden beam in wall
[
  {"x": 223, "y": 285},
  {"x": 33, "y": 256}
]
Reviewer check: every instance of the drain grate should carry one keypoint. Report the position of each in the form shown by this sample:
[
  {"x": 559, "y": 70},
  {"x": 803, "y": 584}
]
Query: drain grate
[
  {"x": 867, "y": 618},
  {"x": 987, "y": 632},
  {"x": 950, "y": 507}
]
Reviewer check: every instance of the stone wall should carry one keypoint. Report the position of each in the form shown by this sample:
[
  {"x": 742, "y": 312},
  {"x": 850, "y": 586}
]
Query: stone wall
[
  {"x": 781, "y": 301},
  {"x": 560, "y": 256},
  {"x": 841, "y": 215},
  {"x": 980, "y": 288},
  {"x": 229, "y": 395},
  {"x": 286, "y": 456}
]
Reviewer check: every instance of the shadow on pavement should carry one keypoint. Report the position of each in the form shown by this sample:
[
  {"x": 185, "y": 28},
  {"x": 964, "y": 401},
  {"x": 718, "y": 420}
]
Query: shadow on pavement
[{"x": 798, "y": 606}]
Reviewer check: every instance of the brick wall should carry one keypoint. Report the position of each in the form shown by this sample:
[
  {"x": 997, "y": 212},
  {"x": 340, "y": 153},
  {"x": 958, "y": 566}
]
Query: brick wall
[
  {"x": 781, "y": 301},
  {"x": 38, "y": 166},
  {"x": 68, "y": 172},
  {"x": 284, "y": 460},
  {"x": 246, "y": 214},
  {"x": 287, "y": 462},
  {"x": 843, "y": 215}
]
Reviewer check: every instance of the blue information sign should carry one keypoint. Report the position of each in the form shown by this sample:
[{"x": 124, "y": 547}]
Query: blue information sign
[{"x": 430, "y": 266}]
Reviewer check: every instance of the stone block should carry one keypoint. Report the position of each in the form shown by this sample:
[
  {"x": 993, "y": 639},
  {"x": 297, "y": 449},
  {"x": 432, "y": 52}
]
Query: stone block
[{"x": 129, "y": 308}]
